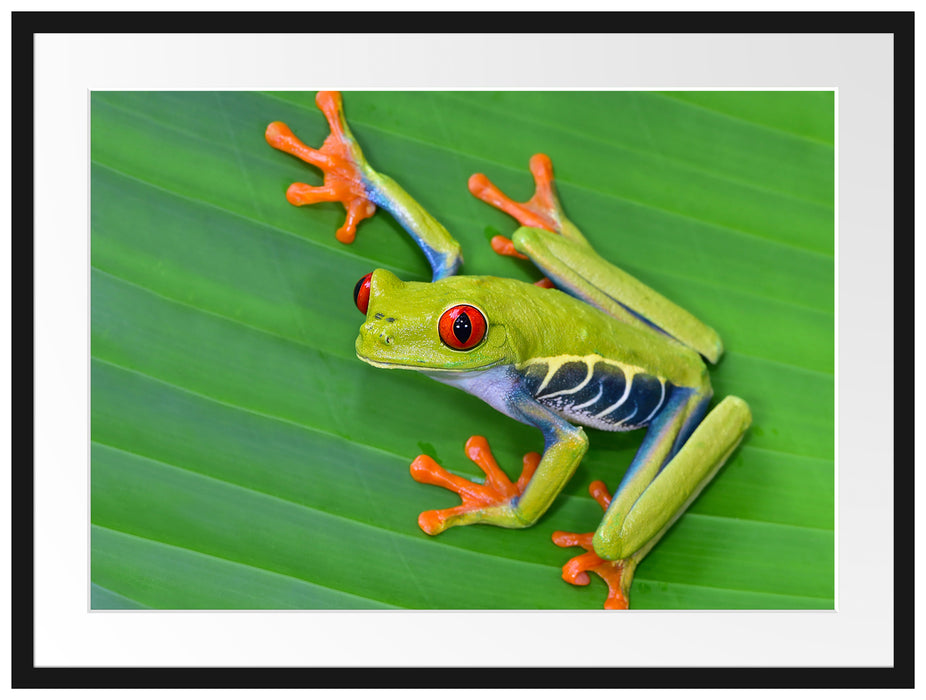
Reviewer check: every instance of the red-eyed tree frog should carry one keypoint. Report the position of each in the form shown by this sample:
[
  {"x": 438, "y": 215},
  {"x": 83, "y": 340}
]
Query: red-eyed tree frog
[{"x": 589, "y": 345}]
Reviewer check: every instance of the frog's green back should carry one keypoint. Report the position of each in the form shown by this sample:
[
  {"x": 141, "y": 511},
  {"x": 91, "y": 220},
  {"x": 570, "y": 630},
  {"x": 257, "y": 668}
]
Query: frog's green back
[{"x": 550, "y": 324}]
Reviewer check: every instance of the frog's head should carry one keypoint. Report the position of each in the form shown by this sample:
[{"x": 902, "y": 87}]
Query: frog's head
[{"x": 453, "y": 324}]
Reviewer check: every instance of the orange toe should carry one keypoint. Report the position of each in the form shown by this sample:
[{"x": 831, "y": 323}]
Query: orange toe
[{"x": 614, "y": 573}]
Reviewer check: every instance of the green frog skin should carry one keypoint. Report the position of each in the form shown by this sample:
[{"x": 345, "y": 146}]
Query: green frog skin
[{"x": 589, "y": 346}]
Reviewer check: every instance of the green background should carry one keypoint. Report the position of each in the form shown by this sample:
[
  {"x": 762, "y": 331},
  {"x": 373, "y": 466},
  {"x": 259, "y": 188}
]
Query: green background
[{"x": 242, "y": 457}]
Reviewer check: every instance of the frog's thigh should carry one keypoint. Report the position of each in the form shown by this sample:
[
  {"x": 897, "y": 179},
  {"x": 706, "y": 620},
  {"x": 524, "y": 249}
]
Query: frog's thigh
[
  {"x": 680, "y": 482},
  {"x": 575, "y": 267},
  {"x": 571, "y": 264}
]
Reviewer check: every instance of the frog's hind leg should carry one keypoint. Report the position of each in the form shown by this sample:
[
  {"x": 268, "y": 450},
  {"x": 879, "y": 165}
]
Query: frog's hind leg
[
  {"x": 541, "y": 211},
  {"x": 580, "y": 271},
  {"x": 677, "y": 459},
  {"x": 616, "y": 574},
  {"x": 572, "y": 265}
]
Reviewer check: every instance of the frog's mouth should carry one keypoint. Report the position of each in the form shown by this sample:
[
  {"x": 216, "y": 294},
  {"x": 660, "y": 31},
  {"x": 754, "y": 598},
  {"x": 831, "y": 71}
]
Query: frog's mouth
[
  {"x": 383, "y": 361},
  {"x": 389, "y": 365}
]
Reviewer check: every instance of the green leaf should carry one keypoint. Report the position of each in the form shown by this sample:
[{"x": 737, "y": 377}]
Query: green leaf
[{"x": 242, "y": 456}]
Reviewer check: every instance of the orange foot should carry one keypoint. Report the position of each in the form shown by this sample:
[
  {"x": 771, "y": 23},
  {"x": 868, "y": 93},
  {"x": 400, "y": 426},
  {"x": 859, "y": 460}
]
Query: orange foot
[
  {"x": 340, "y": 160},
  {"x": 615, "y": 573},
  {"x": 496, "y": 491},
  {"x": 542, "y": 210}
]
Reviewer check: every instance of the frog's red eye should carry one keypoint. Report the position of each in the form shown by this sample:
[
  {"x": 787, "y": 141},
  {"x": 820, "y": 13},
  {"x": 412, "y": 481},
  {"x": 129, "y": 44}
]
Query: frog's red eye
[
  {"x": 362, "y": 292},
  {"x": 462, "y": 327}
]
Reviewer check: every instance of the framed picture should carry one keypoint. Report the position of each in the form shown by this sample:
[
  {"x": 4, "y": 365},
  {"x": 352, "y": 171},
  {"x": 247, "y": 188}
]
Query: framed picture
[{"x": 210, "y": 454}]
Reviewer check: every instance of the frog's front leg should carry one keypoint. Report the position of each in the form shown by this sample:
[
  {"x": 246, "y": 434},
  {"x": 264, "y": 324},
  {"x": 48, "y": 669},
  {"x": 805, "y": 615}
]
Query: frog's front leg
[
  {"x": 679, "y": 456},
  {"x": 499, "y": 501},
  {"x": 349, "y": 179}
]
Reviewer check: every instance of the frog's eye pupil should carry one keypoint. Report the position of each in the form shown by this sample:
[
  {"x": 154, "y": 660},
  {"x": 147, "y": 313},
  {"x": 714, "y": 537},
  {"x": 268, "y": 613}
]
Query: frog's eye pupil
[
  {"x": 362, "y": 293},
  {"x": 462, "y": 327}
]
